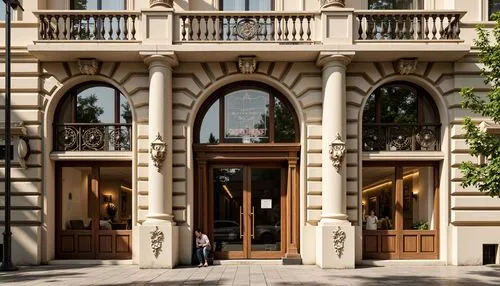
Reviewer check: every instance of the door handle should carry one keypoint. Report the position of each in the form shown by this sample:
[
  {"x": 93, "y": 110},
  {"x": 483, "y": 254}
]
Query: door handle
[
  {"x": 252, "y": 214},
  {"x": 241, "y": 225}
]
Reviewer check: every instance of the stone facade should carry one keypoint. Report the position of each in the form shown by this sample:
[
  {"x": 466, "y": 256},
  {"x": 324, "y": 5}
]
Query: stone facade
[{"x": 334, "y": 70}]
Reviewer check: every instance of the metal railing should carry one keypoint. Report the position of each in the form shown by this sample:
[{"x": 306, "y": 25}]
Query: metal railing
[
  {"x": 87, "y": 25},
  {"x": 401, "y": 137},
  {"x": 92, "y": 137},
  {"x": 380, "y": 25},
  {"x": 210, "y": 26}
]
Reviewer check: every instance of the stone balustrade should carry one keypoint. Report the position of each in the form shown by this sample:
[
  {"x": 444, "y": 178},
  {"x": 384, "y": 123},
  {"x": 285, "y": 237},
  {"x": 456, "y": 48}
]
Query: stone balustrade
[
  {"x": 251, "y": 26},
  {"x": 71, "y": 25},
  {"x": 408, "y": 25}
]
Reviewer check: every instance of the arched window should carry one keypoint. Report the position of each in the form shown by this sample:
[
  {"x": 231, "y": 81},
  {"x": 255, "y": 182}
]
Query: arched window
[
  {"x": 93, "y": 117},
  {"x": 247, "y": 113},
  {"x": 400, "y": 117}
]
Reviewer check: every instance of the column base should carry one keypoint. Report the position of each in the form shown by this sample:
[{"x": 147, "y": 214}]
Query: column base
[
  {"x": 157, "y": 253},
  {"x": 331, "y": 254},
  {"x": 291, "y": 259}
]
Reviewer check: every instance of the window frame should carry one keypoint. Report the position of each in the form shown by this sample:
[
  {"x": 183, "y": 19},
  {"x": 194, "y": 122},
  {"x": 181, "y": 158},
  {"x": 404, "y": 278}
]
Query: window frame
[
  {"x": 486, "y": 11},
  {"x": 69, "y": 4},
  {"x": 247, "y": 5},
  {"x": 237, "y": 86},
  {"x": 419, "y": 5}
]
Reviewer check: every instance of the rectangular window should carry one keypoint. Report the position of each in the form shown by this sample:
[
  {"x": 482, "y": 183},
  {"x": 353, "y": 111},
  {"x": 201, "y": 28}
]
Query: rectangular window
[
  {"x": 2, "y": 12},
  {"x": 493, "y": 7},
  {"x": 395, "y": 4},
  {"x": 97, "y": 4},
  {"x": 246, "y": 5}
]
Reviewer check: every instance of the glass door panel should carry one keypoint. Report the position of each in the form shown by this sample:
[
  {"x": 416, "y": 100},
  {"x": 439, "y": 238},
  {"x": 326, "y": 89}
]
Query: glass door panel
[
  {"x": 228, "y": 209},
  {"x": 266, "y": 189},
  {"x": 418, "y": 198}
]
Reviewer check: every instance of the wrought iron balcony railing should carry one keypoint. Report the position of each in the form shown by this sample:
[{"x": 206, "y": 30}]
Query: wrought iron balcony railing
[
  {"x": 92, "y": 137},
  {"x": 297, "y": 27},
  {"x": 88, "y": 25},
  {"x": 401, "y": 137},
  {"x": 380, "y": 25}
]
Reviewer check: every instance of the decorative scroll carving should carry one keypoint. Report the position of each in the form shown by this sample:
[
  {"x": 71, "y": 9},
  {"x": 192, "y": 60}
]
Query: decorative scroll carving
[
  {"x": 158, "y": 151},
  {"x": 247, "y": 65},
  {"x": 339, "y": 237},
  {"x": 407, "y": 66},
  {"x": 161, "y": 3},
  {"x": 88, "y": 66},
  {"x": 337, "y": 152},
  {"x": 332, "y": 3},
  {"x": 157, "y": 238}
]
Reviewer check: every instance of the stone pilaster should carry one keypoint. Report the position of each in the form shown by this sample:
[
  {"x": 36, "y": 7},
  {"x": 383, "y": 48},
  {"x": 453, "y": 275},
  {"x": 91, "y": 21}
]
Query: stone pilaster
[
  {"x": 335, "y": 234},
  {"x": 158, "y": 234}
]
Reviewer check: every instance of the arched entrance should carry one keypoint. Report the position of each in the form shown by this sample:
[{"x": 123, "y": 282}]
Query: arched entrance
[
  {"x": 400, "y": 193},
  {"x": 246, "y": 187},
  {"x": 93, "y": 195}
]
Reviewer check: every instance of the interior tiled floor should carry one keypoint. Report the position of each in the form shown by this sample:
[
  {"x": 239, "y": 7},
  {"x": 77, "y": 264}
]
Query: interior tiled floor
[{"x": 251, "y": 275}]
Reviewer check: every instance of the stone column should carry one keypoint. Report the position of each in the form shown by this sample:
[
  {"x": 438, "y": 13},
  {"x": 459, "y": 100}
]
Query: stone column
[
  {"x": 158, "y": 234},
  {"x": 335, "y": 234}
]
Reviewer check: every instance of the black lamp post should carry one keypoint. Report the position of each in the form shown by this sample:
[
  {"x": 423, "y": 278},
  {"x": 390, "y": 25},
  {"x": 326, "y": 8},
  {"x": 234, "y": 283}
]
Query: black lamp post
[{"x": 7, "y": 264}]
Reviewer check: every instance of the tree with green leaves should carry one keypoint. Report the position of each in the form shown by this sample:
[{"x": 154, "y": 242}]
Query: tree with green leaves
[
  {"x": 88, "y": 110},
  {"x": 484, "y": 175}
]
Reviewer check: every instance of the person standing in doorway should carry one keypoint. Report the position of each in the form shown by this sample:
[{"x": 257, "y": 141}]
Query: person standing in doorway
[
  {"x": 371, "y": 221},
  {"x": 202, "y": 247}
]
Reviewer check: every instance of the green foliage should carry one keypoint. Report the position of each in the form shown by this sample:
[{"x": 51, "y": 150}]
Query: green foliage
[
  {"x": 423, "y": 225},
  {"x": 88, "y": 111},
  {"x": 486, "y": 175}
]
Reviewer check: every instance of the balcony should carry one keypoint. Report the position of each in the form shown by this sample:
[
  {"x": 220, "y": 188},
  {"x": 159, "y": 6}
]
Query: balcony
[
  {"x": 92, "y": 137},
  {"x": 273, "y": 36},
  {"x": 401, "y": 137}
]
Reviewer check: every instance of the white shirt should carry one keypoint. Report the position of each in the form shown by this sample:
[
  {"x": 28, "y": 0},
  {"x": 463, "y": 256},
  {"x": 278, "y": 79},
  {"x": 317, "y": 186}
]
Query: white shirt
[
  {"x": 202, "y": 240},
  {"x": 371, "y": 223}
]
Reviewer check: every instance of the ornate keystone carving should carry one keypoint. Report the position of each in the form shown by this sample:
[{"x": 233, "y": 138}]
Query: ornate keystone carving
[
  {"x": 339, "y": 238},
  {"x": 158, "y": 151},
  {"x": 332, "y": 3},
  {"x": 407, "y": 66},
  {"x": 157, "y": 238},
  {"x": 88, "y": 66},
  {"x": 161, "y": 3},
  {"x": 247, "y": 65},
  {"x": 337, "y": 152}
]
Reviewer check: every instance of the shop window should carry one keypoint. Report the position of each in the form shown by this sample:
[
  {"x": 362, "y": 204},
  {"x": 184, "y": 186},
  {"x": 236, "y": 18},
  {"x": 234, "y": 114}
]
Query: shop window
[
  {"x": 246, "y": 5},
  {"x": 248, "y": 113},
  {"x": 395, "y": 4}
]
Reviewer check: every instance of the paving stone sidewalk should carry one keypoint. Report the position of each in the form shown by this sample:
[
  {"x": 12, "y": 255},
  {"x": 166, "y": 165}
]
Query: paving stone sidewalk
[{"x": 72, "y": 275}]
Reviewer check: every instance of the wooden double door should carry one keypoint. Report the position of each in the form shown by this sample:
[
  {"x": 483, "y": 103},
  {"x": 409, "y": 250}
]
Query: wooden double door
[
  {"x": 404, "y": 198},
  {"x": 93, "y": 210},
  {"x": 247, "y": 210}
]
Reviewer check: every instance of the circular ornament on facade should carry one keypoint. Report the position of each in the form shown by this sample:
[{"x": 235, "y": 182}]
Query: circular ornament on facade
[
  {"x": 247, "y": 28},
  {"x": 93, "y": 138},
  {"x": 401, "y": 142},
  {"x": 119, "y": 138},
  {"x": 68, "y": 138},
  {"x": 426, "y": 138}
]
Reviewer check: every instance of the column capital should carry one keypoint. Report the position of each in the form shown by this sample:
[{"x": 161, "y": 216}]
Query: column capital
[
  {"x": 161, "y": 3},
  {"x": 332, "y": 59},
  {"x": 332, "y": 3},
  {"x": 162, "y": 60}
]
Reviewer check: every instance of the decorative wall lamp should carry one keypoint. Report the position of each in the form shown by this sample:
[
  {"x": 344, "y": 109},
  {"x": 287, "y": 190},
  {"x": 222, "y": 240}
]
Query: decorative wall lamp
[
  {"x": 337, "y": 152},
  {"x": 158, "y": 151},
  {"x": 20, "y": 142}
]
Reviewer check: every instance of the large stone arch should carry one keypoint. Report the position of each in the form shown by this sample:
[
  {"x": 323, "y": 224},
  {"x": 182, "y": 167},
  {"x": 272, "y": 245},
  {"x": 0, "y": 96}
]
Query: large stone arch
[
  {"x": 364, "y": 78},
  {"x": 300, "y": 83},
  {"x": 132, "y": 80}
]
